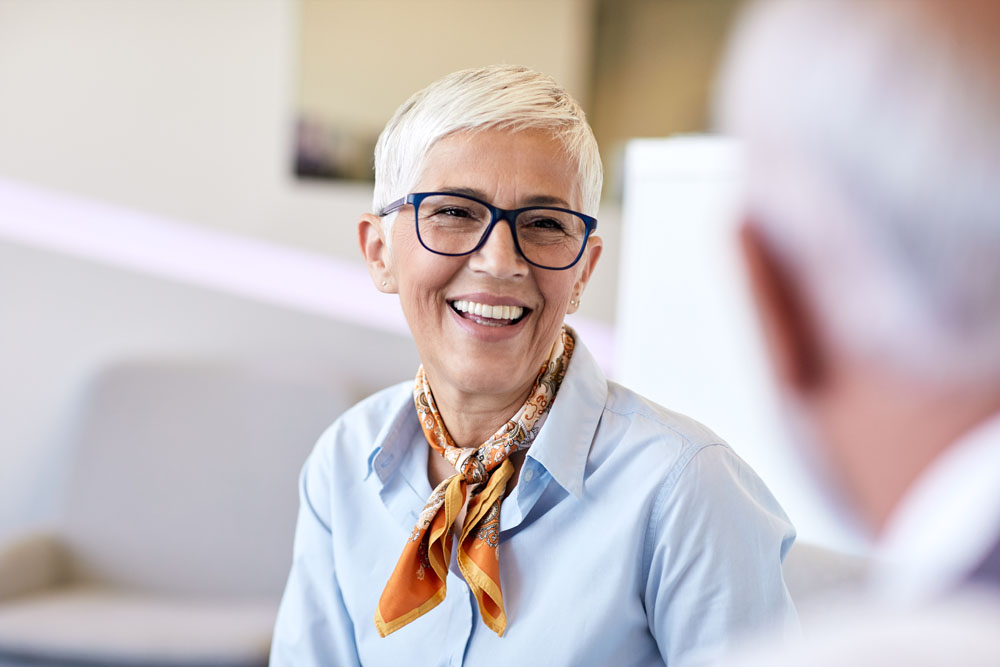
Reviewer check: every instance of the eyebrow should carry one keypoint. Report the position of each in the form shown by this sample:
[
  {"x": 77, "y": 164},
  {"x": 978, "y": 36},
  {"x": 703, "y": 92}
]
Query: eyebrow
[{"x": 534, "y": 200}]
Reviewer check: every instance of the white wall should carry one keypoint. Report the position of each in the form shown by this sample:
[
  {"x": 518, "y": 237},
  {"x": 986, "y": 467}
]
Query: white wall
[{"x": 687, "y": 332}]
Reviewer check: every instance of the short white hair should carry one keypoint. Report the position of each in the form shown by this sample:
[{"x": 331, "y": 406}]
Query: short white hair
[
  {"x": 507, "y": 97},
  {"x": 872, "y": 131}
]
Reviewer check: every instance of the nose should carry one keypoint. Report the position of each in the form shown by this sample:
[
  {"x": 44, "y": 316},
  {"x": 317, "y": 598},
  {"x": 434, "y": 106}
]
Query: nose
[{"x": 498, "y": 256}]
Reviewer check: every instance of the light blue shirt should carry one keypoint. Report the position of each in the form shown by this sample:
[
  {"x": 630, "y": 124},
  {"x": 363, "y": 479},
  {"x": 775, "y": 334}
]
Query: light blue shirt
[{"x": 634, "y": 536}]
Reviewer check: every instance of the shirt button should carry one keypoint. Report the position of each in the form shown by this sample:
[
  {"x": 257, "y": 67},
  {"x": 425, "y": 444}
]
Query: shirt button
[{"x": 529, "y": 474}]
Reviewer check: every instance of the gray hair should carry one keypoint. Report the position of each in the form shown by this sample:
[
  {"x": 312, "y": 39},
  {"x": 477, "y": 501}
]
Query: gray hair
[
  {"x": 872, "y": 131},
  {"x": 494, "y": 97}
]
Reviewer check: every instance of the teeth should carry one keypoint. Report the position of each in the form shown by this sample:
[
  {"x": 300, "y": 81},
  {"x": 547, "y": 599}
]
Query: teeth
[{"x": 491, "y": 312}]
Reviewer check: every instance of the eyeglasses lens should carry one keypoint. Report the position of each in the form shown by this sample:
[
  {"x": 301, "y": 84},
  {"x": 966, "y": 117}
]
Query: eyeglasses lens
[{"x": 454, "y": 225}]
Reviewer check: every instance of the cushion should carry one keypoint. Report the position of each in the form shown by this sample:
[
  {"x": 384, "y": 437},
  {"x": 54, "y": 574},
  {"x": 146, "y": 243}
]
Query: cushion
[
  {"x": 88, "y": 625},
  {"x": 184, "y": 476}
]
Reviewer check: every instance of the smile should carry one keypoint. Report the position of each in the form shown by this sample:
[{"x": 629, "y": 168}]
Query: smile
[{"x": 491, "y": 316}]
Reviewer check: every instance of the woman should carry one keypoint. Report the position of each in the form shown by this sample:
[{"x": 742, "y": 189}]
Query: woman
[{"x": 514, "y": 504}]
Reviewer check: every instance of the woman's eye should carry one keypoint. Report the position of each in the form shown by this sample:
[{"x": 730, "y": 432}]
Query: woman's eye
[
  {"x": 453, "y": 212},
  {"x": 547, "y": 224}
]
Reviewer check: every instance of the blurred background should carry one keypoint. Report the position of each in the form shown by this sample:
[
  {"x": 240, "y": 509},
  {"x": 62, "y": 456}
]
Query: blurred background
[
  {"x": 639, "y": 67},
  {"x": 180, "y": 183}
]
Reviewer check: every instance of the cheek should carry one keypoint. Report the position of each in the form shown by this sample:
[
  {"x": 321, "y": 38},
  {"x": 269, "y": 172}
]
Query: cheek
[
  {"x": 556, "y": 288},
  {"x": 556, "y": 292},
  {"x": 423, "y": 280},
  {"x": 403, "y": 253}
]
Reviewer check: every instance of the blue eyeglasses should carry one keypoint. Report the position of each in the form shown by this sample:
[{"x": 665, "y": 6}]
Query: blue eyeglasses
[{"x": 453, "y": 225}]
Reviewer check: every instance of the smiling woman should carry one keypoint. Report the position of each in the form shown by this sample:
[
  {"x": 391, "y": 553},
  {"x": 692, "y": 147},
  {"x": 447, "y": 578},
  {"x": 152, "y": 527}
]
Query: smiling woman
[{"x": 547, "y": 500}]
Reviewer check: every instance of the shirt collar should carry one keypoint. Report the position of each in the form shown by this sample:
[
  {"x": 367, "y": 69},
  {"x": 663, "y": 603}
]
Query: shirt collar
[
  {"x": 397, "y": 433},
  {"x": 563, "y": 443},
  {"x": 947, "y": 520},
  {"x": 561, "y": 447}
]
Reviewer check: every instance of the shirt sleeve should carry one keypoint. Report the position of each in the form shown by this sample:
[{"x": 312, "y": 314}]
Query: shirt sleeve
[
  {"x": 313, "y": 625},
  {"x": 714, "y": 548}
]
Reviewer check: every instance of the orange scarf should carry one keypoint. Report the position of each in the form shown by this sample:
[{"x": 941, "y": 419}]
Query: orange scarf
[{"x": 417, "y": 585}]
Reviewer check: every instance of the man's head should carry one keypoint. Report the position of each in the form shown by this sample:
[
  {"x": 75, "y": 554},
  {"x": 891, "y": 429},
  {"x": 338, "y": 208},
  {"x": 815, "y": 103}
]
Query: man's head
[{"x": 872, "y": 130}]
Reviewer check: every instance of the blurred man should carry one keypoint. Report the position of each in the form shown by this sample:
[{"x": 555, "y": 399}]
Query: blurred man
[{"x": 872, "y": 239}]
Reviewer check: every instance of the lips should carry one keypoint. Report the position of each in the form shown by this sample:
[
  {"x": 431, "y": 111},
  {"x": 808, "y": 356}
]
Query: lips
[{"x": 487, "y": 314}]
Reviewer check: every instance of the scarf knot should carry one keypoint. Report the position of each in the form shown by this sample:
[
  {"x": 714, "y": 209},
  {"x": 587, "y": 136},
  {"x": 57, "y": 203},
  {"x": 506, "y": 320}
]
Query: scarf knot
[{"x": 474, "y": 471}]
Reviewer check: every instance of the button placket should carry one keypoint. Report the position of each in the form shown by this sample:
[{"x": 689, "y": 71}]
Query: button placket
[{"x": 463, "y": 617}]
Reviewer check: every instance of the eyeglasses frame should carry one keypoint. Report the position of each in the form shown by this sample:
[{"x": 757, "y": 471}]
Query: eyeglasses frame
[{"x": 496, "y": 215}]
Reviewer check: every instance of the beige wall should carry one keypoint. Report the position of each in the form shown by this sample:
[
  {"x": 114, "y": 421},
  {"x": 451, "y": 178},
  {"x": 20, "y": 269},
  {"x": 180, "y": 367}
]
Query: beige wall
[
  {"x": 362, "y": 58},
  {"x": 655, "y": 61}
]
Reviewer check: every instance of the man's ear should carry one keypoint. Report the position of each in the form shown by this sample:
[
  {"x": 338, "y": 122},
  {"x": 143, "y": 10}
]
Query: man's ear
[
  {"x": 796, "y": 350},
  {"x": 375, "y": 250},
  {"x": 588, "y": 262}
]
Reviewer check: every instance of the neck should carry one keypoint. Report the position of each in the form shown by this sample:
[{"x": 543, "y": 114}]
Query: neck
[
  {"x": 472, "y": 418},
  {"x": 886, "y": 429}
]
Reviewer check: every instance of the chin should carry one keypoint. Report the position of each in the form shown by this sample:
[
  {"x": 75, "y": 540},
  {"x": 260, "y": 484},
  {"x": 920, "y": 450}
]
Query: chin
[{"x": 487, "y": 374}]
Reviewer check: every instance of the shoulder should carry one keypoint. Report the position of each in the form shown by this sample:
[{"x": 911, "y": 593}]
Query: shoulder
[
  {"x": 624, "y": 402},
  {"x": 692, "y": 471},
  {"x": 373, "y": 410},
  {"x": 644, "y": 428},
  {"x": 355, "y": 433},
  {"x": 642, "y": 445}
]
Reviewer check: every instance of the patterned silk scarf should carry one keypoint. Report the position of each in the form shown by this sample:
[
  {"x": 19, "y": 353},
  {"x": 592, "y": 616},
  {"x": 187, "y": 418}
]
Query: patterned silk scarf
[{"x": 417, "y": 585}]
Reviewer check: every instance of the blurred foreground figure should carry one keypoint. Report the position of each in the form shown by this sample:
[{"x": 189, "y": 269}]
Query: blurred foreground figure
[{"x": 872, "y": 239}]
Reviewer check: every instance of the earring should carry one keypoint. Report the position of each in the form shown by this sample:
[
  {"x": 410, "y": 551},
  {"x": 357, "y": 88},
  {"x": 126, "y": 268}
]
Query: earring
[
  {"x": 384, "y": 283},
  {"x": 574, "y": 302}
]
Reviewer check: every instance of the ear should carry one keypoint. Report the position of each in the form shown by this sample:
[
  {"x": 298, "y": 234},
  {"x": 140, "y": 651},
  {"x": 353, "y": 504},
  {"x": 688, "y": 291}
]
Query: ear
[
  {"x": 592, "y": 253},
  {"x": 795, "y": 349},
  {"x": 375, "y": 249}
]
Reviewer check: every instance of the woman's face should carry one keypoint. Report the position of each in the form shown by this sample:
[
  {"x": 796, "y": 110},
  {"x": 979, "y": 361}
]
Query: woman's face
[{"x": 459, "y": 349}]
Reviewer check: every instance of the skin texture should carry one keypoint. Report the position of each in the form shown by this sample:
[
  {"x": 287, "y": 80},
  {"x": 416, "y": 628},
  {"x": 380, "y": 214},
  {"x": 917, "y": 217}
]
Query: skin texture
[
  {"x": 481, "y": 375},
  {"x": 878, "y": 427}
]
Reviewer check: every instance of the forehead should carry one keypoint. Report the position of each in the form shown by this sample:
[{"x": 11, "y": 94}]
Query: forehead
[{"x": 506, "y": 167}]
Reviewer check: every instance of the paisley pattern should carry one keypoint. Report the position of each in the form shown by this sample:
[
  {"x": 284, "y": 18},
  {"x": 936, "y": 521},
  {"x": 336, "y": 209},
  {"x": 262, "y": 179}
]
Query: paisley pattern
[
  {"x": 417, "y": 585},
  {"x": 489, "y": 527}
]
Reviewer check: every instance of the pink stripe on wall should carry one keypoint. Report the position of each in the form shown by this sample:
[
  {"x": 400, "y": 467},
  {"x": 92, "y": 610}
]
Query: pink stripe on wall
[{"x": 213, "y": 259}]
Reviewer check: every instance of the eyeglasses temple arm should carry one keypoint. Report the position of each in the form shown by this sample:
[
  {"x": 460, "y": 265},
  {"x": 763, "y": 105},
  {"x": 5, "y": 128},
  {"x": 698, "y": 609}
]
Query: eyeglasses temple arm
[{"x": 394, "y": 206}]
